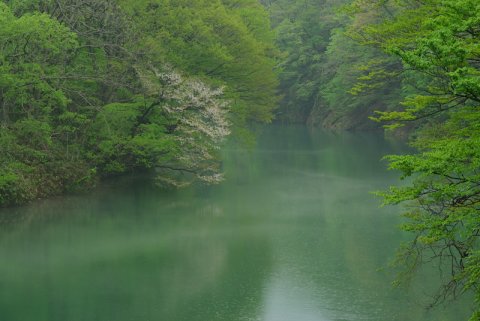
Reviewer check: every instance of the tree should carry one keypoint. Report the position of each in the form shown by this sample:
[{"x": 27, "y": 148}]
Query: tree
[
  {"x": 176, "y": 127},
  {"x": 33, "y": 49},
  {"x": 95, "y": 88},
  {"x": 226, "y": 42},
  {"x": 303, "y": 31},
  {"x": 438, "y": 43},
  {"x": 326, "y": 76}
]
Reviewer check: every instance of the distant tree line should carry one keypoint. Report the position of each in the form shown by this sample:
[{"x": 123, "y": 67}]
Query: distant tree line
[{"x": 325, "y": 73}]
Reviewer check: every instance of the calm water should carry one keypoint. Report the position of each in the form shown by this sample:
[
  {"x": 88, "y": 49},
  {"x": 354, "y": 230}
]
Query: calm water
[{"x": 293, "y": 235}]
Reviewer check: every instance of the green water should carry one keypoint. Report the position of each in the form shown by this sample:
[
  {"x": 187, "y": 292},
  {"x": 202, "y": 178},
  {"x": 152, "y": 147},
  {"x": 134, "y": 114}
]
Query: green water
[{"x": 292, "y": 235}]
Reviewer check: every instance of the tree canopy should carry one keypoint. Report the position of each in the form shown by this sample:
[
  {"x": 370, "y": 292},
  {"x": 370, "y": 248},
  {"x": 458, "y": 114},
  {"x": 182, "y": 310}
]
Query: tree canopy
[
  {"x": 96, "y": 88},
  {"x": 437, "y": 42},
  {"x": 325, "y": 74}
]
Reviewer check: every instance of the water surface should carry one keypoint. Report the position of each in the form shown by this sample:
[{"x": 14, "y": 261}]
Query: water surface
[{"x": 292, "y": 235}]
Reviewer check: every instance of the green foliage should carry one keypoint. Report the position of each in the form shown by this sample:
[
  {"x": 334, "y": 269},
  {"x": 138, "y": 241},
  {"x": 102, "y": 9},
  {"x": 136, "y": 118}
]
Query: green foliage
[
  {"x": 437, "y": 42},
  {"x": 32, "y": 49},
  {"x": 34, "y": 163},
  {"x": 327, "y": 78},
  {"x": 11, "y": 189},
  {"x": 357, "y": 81},
  {"x": 87, "y": 89},
  {"x": 443, "y": 197},
  {"x": 303, "y": 31},
  {"x": 228, "y": 42}
]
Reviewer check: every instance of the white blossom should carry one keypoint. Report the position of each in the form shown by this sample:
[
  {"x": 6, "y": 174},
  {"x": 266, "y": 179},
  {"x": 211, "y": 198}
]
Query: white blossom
[{"x": 201, "y": 116}]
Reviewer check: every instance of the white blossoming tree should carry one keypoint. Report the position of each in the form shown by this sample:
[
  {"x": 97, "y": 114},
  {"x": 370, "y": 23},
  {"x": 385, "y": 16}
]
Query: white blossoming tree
[{"x": 176, "y": 127}]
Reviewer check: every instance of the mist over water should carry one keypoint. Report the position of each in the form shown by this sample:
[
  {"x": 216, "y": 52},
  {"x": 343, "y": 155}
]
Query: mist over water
[{"x": 293, "y": 234}]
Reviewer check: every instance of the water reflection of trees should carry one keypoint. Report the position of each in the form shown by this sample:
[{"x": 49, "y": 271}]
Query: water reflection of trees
[
  {"x": 137, "y": 256},
  {"x": 284, "y": 222}
]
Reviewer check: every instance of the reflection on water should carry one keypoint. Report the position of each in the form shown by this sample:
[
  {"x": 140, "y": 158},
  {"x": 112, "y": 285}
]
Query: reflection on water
[{"x": 293, "y": 235}]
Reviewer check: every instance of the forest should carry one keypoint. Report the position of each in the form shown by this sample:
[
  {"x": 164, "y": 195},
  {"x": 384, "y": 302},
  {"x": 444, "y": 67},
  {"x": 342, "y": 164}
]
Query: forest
[
  {"x": 93, "y": 89},
  {"x": 97, "y": 88}
]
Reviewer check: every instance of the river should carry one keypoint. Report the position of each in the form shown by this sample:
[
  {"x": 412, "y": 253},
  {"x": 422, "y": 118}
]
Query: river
[{"x": 293, "y": 234}]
